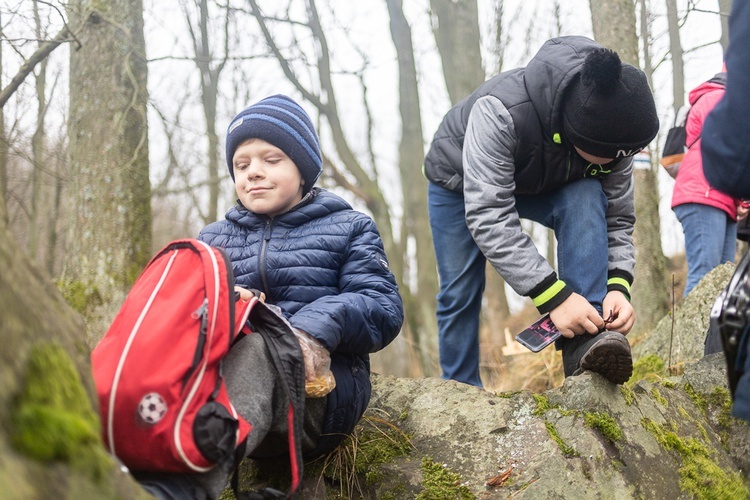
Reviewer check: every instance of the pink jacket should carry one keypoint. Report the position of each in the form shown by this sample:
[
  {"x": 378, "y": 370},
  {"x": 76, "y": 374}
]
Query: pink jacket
[{"x": 690, "y": 185}]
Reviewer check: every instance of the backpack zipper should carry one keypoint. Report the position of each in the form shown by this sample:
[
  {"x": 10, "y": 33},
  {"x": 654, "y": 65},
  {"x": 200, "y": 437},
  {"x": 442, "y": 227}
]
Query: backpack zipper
[{"x": 202, "y": 314}]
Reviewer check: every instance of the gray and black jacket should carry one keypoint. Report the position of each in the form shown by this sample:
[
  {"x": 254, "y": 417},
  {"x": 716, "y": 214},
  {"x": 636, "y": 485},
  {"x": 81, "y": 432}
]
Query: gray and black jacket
[{"x": 507, "y": 138}]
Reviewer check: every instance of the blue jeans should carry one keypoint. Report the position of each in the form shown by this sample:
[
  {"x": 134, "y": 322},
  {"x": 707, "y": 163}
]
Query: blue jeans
[
  {"x": 576, "y": 212},
  {"x": 710, "y": 239}
]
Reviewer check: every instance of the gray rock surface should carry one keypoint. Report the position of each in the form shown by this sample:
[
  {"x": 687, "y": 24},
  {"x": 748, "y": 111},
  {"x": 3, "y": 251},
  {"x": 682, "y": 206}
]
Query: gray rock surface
[
  {"x": 685, "y": 329},
  {"x": 551, "y": 449},
  {"x": 668, "y": 437}
]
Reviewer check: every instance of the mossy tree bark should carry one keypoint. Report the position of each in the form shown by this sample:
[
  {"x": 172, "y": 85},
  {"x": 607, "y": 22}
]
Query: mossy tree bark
[
  {"x": 614, "y": 27},
  {"x": 109, "y": 240}
]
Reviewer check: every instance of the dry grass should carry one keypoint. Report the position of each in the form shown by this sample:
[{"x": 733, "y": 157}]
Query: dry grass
[
  {"x": 536, "y": 372},
  {"x": 345, "y": 471},
  {"x": 500, "y": 372}
]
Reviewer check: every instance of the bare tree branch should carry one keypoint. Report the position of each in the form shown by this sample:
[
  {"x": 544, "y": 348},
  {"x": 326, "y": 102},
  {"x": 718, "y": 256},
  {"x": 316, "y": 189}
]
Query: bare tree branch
[
  {"x": 285, "y": 66},
  {"x": 44, "y": 50}
]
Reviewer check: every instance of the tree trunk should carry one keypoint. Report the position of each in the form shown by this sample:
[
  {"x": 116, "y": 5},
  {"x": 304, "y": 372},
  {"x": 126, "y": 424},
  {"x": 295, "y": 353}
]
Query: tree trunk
[
  {"x": 3, "y": 143},
  {"x": 54, "y": 215},
  {"x": 109, "y": 242},
  {"x": 456, "y": 28},
  {"x": 614, "y": 27},
  {"x": 420, "y": 297},
  {"x": 675, "y": 50},
  {"x": 460, "y": 53},
  {"x": 209, "y": 79},
  {"x": 725, "y": 7},
  {"x": 37, "y": 144},
  {"x": 499, "y": 38},
  {"x": 648, "y": 66}
]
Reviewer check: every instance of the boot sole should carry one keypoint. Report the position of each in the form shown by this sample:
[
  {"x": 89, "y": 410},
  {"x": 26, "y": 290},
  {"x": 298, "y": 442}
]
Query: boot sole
[{"x": 610, "y": 358}]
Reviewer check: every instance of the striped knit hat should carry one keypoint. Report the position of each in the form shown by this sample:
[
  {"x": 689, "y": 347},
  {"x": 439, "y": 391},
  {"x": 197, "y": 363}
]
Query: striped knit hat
[{"x": 280, "y": 121}]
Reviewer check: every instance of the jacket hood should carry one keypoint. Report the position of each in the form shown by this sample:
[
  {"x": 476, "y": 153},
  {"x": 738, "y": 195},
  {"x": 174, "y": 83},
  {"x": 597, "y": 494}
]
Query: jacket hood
[
  {"x": 551, "y": 71},
  {"x": 718, "y": 82}
]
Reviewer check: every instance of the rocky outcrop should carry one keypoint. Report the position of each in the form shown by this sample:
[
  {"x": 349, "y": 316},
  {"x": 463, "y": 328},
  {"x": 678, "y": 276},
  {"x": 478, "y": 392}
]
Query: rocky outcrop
[
  {"x": 587, "y": 439},
  {"x": 667, "y": 436},
  {"x": 679, "y": 337}
]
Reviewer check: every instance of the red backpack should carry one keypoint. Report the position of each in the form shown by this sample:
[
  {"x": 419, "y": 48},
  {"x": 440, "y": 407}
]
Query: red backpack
[{"x": 157, "y": 370}]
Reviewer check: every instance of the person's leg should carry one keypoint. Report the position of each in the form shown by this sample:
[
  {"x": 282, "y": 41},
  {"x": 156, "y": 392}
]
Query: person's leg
[
  {"x": 577, "y": 213},
  {"x": 251, "y": 383},
  {"x": 250, "y": 378},
  {"x": 729, "y": 252},
  {"x": 461, "y": 268},
  {"x": 705, "y": 229}
]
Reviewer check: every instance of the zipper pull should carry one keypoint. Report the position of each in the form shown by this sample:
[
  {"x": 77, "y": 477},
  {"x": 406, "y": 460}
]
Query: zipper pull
[{"x": 202, "y": 313}]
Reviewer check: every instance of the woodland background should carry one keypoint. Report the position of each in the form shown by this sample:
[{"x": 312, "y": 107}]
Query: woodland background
[{"x": 113, "y": 115}]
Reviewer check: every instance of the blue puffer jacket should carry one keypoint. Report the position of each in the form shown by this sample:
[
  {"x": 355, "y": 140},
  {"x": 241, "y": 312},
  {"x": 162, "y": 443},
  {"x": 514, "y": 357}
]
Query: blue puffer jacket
[{"x": 324, "y": 265}]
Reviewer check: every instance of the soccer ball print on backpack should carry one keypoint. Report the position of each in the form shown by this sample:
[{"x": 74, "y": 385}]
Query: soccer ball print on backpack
[
  {"x": 158, "y": 369},
  {"x": 152, "y": 408}
]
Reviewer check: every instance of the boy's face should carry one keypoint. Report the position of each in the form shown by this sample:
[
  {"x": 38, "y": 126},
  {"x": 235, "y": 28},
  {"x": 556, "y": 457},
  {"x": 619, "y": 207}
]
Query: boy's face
[
  {"x": 597, "y": 160},
  {"x": 266, "y": 180}
]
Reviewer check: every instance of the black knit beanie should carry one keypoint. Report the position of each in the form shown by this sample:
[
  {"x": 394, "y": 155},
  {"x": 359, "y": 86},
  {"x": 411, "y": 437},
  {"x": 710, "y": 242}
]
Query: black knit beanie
[
  {"x": 609, "y": 109},
  {"x": 280, "y": 121}
]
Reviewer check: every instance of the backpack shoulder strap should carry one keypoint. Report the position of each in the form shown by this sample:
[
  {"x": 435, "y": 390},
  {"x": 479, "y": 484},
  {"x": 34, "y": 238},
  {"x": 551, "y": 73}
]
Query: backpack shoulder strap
[{"x": 718, "y": 78}]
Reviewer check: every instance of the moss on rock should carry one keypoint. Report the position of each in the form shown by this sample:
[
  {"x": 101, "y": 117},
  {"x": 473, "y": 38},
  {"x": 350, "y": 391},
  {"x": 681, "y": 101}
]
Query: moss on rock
[
  {"x": 440, "y": 483},
  {"x": 52, "y": 417},
  {"x": 567, "y": 450},
  {"x": 656, "y": 396},
  {"x": 650, "y": 367},
  {"x": 605, "y": 424},
  {"x": 700, "y": 476},
  {"x": 628, "y": 394}
]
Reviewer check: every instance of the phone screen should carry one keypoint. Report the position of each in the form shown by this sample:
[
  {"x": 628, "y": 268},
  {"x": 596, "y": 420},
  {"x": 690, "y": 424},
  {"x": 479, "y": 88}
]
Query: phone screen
[{"x": 539, "y": 335}]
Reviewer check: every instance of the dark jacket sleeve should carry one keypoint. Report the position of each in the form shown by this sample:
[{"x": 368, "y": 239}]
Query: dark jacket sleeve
[
  {"x": 367, "y": 313},
  {"x": 725, "y": 145}
]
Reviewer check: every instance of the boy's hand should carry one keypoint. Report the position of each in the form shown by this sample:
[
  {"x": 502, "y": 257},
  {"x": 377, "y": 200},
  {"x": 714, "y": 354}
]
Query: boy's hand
[
  {"x": 245, "y": 294},
  {"x": 575, "y": 316},
  {"x": 622, "y": 312}
]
